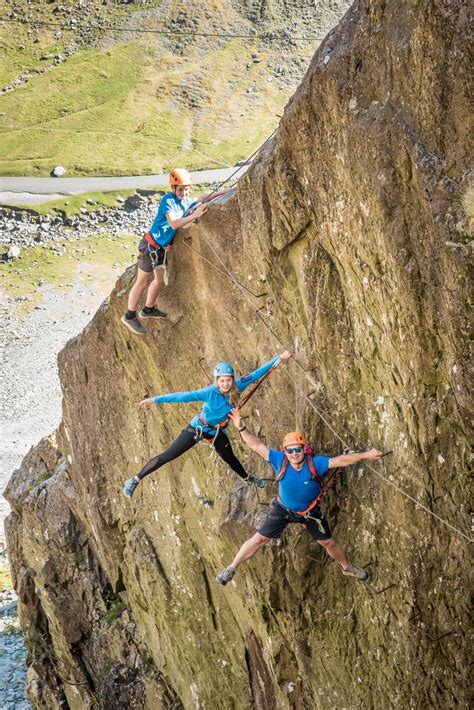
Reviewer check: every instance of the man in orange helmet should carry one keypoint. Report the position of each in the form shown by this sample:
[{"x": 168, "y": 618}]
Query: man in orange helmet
[
  {"x": 299, "y": 474},
  {"x": 155, "y": 244}
]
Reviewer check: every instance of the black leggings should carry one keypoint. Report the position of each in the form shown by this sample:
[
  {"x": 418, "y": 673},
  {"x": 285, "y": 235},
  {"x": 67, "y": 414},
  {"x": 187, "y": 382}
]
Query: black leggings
[{"x": 186, "y": 441}]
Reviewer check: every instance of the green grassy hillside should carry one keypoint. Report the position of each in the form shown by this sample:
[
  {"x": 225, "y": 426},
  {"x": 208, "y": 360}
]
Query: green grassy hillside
[{"x": 113, "y": 103}]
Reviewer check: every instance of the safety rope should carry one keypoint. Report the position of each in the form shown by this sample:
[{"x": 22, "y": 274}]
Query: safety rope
[
  {"x": 185, "y": 243},
  {"x": 259, "y": 312},
  {"x": 246, "y": 162},
  {"x": 371, "y": 468},
  {"x": 231, "y": 276},
  {"x": 249, "y": 394}
]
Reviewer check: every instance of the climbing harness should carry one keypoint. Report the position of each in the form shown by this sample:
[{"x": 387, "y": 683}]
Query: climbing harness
[
  {"x": 304, "y": 516},
  {"x": 154, "y": 253},
  {"x": 200, "y": 434}
]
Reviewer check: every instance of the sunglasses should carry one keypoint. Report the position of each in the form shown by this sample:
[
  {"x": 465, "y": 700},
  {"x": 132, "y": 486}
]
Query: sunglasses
[{"x": 294, "y": 449}]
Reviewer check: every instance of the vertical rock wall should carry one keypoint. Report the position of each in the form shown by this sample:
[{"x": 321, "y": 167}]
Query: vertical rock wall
[{"x": 350, "y": 232}]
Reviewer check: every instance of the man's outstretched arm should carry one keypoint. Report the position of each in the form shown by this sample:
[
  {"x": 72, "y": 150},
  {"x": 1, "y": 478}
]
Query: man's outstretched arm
[
  {"x": 253, "y": 441},
  {"x": 350, "y": 459}
]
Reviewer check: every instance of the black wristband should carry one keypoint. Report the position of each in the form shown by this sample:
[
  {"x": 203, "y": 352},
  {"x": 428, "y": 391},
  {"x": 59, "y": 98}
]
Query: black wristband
[{"x": 244, "y": 428}]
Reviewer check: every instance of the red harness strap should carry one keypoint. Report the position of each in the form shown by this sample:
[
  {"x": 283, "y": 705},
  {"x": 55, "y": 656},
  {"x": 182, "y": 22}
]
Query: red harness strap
[
  {"x": 314, "y": 474},
  {"x": 221, "y": 425},
  {"x": 154, "y": 244},
  {"x": 218, "y": 427},
  {"x": 151, "y": 241},
  {"x": 310, "y": 507},
  {"x": 324, "y": 491},
  {"x": 308, "y": 460}
]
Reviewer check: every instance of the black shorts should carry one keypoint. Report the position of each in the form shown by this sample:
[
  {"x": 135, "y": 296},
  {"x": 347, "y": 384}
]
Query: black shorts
[
  {"x": 278, "y": 518},
  {"x": 145, "y": 260}
]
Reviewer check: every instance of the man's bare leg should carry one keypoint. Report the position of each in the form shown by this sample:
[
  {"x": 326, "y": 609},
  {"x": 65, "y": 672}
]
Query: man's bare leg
[
  {"x": 248, "y": 550},
  {"x": 335, "y": 551}
]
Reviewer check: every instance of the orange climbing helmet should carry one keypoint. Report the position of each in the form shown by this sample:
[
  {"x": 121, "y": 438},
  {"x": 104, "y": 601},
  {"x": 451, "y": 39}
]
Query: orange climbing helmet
[
  {"x": 180, "y": 176},
  {"x": 292, "y": 438}
]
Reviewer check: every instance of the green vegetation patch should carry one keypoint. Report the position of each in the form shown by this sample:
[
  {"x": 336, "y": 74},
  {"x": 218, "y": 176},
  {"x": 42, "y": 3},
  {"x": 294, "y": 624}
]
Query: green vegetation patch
[
  {"x": 70, "y": 113},
  {"x": 18, "y": 53},
  {"x": 136, "y": 108},
  {"x": 5, "y": 578},
  {"x": 115, "y": 606},
  {"x": 57, "y": 263}
]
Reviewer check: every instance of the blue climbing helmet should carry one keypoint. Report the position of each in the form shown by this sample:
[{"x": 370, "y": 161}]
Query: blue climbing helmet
[{"x": 223, "y": 368}]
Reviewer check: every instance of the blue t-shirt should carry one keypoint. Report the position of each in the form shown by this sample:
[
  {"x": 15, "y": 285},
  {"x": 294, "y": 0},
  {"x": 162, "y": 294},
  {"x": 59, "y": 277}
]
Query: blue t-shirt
[
  {"x": 161, "y": 230},
  {"x": 216, "y": 405},
  {"x": 298, "y": 489}
]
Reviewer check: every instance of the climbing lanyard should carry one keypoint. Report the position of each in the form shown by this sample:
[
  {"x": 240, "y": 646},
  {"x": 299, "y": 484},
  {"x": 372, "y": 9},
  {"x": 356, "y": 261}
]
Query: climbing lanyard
[
  {"x": 245, "y": 399},
  {"x": 154, "y": 253},
  {"x": 200, "y": 435}
]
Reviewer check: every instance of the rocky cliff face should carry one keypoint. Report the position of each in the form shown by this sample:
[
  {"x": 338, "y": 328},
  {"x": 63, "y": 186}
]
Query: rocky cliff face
[{"x": 350, "y": 231}]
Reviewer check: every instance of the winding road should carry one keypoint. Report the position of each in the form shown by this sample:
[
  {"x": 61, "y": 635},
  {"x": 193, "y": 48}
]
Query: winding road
[{"x": 33, "y": 190}]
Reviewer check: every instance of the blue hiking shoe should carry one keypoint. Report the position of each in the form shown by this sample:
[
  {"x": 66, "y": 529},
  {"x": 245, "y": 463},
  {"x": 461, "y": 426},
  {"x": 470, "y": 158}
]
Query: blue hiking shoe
[
  {"x": 225, "y": 576},
  {"x": 253, "y": 481},
  {"x": 129, "y": 487}
]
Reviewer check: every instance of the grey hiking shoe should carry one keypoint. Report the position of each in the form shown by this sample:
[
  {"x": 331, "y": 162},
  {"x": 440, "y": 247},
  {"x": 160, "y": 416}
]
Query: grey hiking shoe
[
  {"x": 155, "y": 313},
  {"x": 355, "y": 571},
  {"x": 134, "y": 325},
  {"x": 129, "y": 487},
  {"x": 225, "y": 576},
  {"x": 253, "y": 481}
]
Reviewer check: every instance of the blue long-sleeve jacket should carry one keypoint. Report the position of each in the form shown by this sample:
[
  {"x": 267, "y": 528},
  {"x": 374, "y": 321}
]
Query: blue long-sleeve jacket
[{"x": 216, "y": 407}]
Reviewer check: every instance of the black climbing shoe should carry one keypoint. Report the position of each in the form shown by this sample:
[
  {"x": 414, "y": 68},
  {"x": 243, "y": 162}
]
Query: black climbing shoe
[
  {"x": 253, "y": 481},
  {"x": 355, "y": 571},
  {"x": 129, "y": 487},
  {"x": 134, "y": 325},
  {"x": 154, "y": 313},
  {"x": 225, "y": 576}
]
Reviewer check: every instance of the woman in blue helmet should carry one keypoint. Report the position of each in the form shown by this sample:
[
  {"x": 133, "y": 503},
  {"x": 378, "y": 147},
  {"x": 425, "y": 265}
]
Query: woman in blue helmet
[{"x": 210, "y": 424}]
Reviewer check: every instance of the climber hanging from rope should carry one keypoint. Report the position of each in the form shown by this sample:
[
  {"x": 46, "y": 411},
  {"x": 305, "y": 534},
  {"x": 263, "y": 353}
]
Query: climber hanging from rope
[
  {"x": 219, "y": 399},
  {"x": 153, "y": 248},
  {"x": 299, "y": 475}
]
